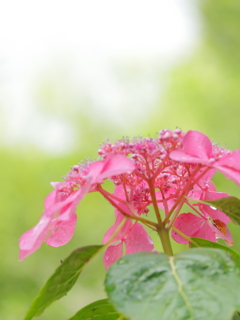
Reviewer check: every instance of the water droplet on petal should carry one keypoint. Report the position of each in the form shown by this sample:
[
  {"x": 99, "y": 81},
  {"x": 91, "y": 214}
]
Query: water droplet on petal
[{"x": 213, "y": 208}]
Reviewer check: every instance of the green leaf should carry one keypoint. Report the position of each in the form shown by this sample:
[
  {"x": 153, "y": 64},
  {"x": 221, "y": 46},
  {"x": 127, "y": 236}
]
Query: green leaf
[
  {"x": 62, "y": 280},
  {"x": 98, "y": 310},
  {"x": 201, "y": 283},
  {"x": 229, "y": 205},
  {"x": 198, "y": 242},
  {"x": 236, "y": 316}
]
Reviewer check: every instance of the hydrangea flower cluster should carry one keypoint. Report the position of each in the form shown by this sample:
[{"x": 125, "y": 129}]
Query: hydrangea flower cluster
[{"x": 158, "y": 172}]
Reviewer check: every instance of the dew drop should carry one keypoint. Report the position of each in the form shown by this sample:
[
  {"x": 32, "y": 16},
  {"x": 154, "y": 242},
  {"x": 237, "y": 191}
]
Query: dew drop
[
  {"x": 213, "y": 208},
  {"x": 122, "y": 261}
]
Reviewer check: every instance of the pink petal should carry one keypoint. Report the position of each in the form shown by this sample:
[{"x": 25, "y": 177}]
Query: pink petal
[
  {"x": 116, "y": 164},
  {"x": 188, "y": 224},
  {"x": 71, "y": 202},
  {"x": 199, "y": 193},
  {"x": 62, "y": 231},
  {"x": 63, "y": 226},
  {"x": 197, "y": 144},
  {"x": 95, "y": 170},
  {"x": 32, "y": 239},
  {"x": 170, "y": 203},
  {"x": 122, "y": 233},
  {"x": 205, "y": 232},
  {"x": 230, "y": 166},
  {"x": 50, "y": 199},
  {"x": 111, "y": 166},
  {"x": 207, "y": 176},
  {"x": 112, "y": 254},
  {"x": 182, "y": 156},
  {"x": 119, "y": 192},
  {"x": 231, "y": 161},
  {"x": 212, "y": 187},
  {"x": 197, "y": 148},
  {"x": 138, "y": 240},
  {"x": 195, "y": 193}
]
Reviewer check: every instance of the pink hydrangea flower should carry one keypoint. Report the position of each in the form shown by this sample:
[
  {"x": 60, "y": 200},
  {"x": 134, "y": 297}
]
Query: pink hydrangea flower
[
  {"x": 57, "y": 224},
  {"x": 197, "y": 148},
  {"x": 158, "y": 172}
]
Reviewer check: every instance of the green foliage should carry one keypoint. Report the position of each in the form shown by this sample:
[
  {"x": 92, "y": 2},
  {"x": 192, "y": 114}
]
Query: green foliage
[
  {"x": 200, "y": 283},
  {"x": 221, "y": 29},
  {"x": 98, "y": 310},
  {"x": 236, "y": 316},
  {"x": 62, "y": 280},
  {"x": 198, "y": 242}
]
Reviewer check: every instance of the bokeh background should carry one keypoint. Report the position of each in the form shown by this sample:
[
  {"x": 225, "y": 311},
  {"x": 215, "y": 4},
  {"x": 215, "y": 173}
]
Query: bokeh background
[{"x": 75, "y": 73}]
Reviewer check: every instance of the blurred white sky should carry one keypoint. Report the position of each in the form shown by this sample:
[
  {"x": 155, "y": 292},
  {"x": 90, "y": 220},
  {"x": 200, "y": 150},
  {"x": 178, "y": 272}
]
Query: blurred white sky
[{"x": 92, "y": 35}]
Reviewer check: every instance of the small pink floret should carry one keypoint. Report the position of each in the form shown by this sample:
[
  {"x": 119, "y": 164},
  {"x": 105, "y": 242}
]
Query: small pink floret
[{"x": 135, "y": 238}]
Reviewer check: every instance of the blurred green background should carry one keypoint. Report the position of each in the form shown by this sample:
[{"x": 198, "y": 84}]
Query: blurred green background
[{"x": 200, "y": 91}]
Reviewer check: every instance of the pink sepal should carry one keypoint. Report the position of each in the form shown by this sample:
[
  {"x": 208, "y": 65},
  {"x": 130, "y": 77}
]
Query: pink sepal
[
  {"x": 197, "y": 148},
  {"x": 32, "y": 239},
  {"x": 197, "y": 144},
  {"x": 62, "y": 231},
  {"x": 59, "y": 217},
  {"x": 179, "y": 155},
  {"x": 230, "y": 166},
  {"x": 188, "y": 224},
  {"x": 205, "y": 232},
  {"x": 138, "y": 240},
  {"x": 50, "y": 199},
  {"x": 111, "y": 166},
  {"x": 53, "y": 207},
  {"x": 124, "y": 230},
  {"x": 112, "y": 254},
  {"x": 231, "y": 160}
]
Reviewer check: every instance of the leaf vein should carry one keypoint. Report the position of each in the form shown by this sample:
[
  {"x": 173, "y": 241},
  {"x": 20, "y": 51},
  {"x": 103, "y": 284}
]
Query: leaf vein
[{"x": 180, "y": 288}]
